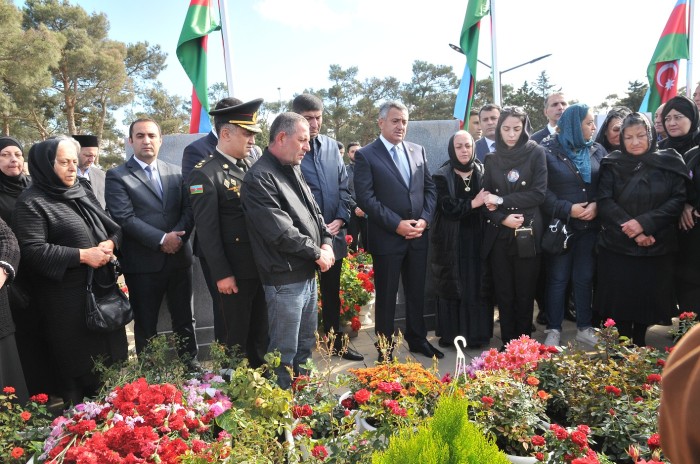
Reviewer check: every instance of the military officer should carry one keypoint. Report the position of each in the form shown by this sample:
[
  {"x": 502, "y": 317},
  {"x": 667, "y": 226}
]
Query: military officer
[{"x": 214, "y": 187}]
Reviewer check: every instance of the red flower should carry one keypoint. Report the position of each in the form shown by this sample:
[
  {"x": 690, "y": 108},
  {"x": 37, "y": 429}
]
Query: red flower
[
  {"x": 302, "y": 411},
  {"x": 355, "y": 323},
  {"x": 26, "y": 415},
  {"x": 687, "y": 315},
  {"x": 653, "y": 378},
  {"x": 539, "y": 456},
  {"x": 9, "y": 390},
  {"x": 319, "y": 452},
  {"x": 579, "y": 438},
  {"x": 41, "y": 398},
  {"x": 446, "y": 378},
  {"x": 82, "y": 427},
  {"x": 348, "y": 239},
  {"x": 532, "y": 381},
  {"x": 661, "y": 362},
  {"x": 584, "y": 428},
  {"x": 362, "y": 396},
  {"x": 613, "y": 390},
  {"x": 302, "y": 429},
  {"x": 609, "y": 323},
  {"x": 537, "y": 440},
  {"x": 654, "y": 441},
  {"x": 487, "y": 400},
  {"x": 611, "y": 411},
  {"x": 17, "y": 452},
  {"x": 559, "y": 432}
]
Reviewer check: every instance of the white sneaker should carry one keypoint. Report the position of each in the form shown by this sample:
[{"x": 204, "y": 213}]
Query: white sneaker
[
  {"x": 553, "y": 337},
  {"x": 588, "y": 335}
]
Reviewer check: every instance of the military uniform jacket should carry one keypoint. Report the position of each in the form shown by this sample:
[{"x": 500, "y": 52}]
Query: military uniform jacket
[{"x": 215, "y": 196}]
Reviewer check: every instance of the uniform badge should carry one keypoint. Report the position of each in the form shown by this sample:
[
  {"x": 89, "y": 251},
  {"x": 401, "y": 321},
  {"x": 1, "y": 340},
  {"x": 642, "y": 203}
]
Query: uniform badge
[
  {"x": 225, "y": 166},
  {"x": 227, "y": 184},
  {"x": 513, "y": 175},
  {"x": 234, "y": 186},
  {"x": 195, "y": 189},
  {"x": 199, "y": 165}
]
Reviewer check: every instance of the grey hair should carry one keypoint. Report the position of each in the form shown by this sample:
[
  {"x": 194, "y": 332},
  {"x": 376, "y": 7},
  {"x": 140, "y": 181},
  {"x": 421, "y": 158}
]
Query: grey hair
[
  {"x": 287, "y": 123},
  {"x": 386, "y": 106},
  {"x": 66, "y": 138}
]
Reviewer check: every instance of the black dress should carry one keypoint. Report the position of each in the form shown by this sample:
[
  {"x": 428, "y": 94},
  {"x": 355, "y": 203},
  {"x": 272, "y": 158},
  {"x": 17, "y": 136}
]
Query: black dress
[
  {"x": 688, "y": 263},
  {"x": 455, "y": 259},
  {"x": 50, "y": 233}
]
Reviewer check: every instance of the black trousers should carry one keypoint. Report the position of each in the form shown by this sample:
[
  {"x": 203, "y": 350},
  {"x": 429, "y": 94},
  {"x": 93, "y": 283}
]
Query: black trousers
[
  {"x": 330, "y": 297},
  {"x": 219, "y": 326},
  {"x": 146, "y": 292},
  {"x": 357, "y": 229},
  {"x": 515, "y": 283},
  {"x": 411, "y": 267},
  {"x": 243, "y": 316}
]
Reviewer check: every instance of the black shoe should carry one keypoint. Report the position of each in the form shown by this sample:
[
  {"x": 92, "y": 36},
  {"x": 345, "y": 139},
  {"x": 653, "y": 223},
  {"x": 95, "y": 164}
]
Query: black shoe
[
  {"x": 445, "y": 343},
  {"x": 382, "y": 358},
  {"x": 541, "y": 318},
  {"x": 351, "y": 355},
  {"x": 426, "y": 349}
]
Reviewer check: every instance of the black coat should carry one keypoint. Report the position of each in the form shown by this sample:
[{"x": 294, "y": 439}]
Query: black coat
[
  {"x": 9, "y": 254},
  {"x": 523, "y": 196},
  {"x": 447, "y": 229},
  {"x": 50, "y": 234},
  {"x": 566, "y": 187},
  {"x": 656, "y": 202}
]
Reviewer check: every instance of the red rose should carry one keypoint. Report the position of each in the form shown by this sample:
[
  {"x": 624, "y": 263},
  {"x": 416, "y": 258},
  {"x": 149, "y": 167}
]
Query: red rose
[
  {"x": 654, "y": 441},
  {"x": 9, "y": 390},
  {"x": 26, "y": 415},
  {"x": 584, "y": 428},
  {"x": 40, "y": 398},
  {"x": 653, "y": 378},
  {"x": 539, "y": 456},
  {"x": 355, "y": 323},
  {"x": 579, "y": 438},
  {"x": 613, "y": 390},
  {"x": 17, "y": 452},
  {"x": 348, "y": 239},
  {"x": 362, "y": 396},
  {"x": 319, "y": 452},
  {"x": 487, "y": 400},
  {"x": 537, "y": 440}
]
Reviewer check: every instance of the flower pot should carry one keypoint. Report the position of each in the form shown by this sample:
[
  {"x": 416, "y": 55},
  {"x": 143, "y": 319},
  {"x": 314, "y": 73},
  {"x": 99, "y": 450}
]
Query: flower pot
[
  {"x": 366, "y": 312},
  {"x": 521, "y": 459}
]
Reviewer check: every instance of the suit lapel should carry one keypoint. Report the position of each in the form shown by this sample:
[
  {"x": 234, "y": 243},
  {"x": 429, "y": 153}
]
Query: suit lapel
[
  {"x": 164, "y": 172},
  {"x": 140, "y": 174},
  {"x": 385, "y": 156},
  {"x": 412, "y": 163}
]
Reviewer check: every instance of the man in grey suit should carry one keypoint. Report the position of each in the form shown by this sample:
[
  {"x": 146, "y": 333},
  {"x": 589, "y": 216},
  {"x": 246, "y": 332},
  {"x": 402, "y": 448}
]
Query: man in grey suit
[
  {"x": 395, "y": 190},
  {"x": 87, "y": 165},
  {"x": 147, "y": 198}
]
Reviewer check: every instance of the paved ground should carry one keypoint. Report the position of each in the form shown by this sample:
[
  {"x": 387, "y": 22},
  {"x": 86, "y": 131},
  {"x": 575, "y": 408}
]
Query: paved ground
[{"x": 364, "y": 343}]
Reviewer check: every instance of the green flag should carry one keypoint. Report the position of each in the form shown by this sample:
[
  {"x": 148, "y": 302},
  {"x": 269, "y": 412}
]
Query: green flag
[{"x": 469, "y": 43}]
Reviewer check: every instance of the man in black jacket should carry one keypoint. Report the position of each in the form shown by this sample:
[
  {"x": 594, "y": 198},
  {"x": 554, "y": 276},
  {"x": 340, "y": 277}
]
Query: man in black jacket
[{"x": 290, "y": 241}]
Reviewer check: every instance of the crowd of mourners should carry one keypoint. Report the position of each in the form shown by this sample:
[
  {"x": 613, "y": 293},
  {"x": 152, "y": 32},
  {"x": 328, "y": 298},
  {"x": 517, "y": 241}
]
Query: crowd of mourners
[{"x": 269, "y": 229}]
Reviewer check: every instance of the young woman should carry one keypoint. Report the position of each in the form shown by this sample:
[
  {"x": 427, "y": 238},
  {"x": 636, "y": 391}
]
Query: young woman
[{"x": 516, "y": 177}]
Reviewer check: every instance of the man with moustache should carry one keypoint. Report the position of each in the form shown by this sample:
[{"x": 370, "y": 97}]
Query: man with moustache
[
  {"x": 397, "y": 192},
  {"x": 488, "y": 119},
  {"x": 290, "y": 241},
  {"x": 87, "y": 165},
  {"x": 222, "y": 236},
  {"x": 554, "y": 107}
]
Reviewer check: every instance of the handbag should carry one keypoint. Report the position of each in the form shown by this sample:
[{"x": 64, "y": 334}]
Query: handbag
[
  {"x": 555, "y": 239},
  {"x": 525, "y": 240},
  {"x": 107, "y": 308}
]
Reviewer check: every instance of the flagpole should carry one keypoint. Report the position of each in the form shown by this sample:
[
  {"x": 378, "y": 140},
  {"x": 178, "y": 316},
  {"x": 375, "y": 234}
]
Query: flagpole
[
  {"x": 494, "y": 62},
  {"x": 689, "y": 85},
  {"x": 228, "y": 65}
]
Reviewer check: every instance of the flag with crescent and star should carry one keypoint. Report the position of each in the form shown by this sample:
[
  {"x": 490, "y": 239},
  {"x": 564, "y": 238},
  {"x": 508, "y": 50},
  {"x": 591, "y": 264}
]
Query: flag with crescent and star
[
  {"x": 469, "y": 43},
  {"x": 192, "y": 52},
  {"x": 663, "y": 69}
]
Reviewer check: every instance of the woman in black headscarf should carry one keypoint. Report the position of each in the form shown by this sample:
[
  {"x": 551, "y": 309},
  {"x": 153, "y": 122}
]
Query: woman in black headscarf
[
  {"x": 682, "y": 122},
  {"x": 516, "y": 176},
  {"x": 12, "y": 177},
  {"x": 62, "y": 230},
  {"x": 609, "y": 132},
  {"x": 640, "y": 198},
  {"x": 456, "y": 237}
]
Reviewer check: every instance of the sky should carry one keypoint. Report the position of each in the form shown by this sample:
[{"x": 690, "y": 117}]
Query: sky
[{"x": 281, "y": 47}]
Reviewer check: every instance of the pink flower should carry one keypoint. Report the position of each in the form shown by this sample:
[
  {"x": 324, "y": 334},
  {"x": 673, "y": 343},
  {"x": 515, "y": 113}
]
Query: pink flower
[{"x": 609, "y": 323}]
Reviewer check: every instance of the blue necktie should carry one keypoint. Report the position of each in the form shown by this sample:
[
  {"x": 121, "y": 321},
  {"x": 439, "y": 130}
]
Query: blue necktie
[
  {"x": 402, "y": 164},
  {"x": 154, "y": 182}
]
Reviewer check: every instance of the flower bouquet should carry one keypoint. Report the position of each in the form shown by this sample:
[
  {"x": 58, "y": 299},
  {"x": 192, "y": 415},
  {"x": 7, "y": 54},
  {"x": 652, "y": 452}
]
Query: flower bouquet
[
  {"x": 566, "y": 446},
  {"x": 686, "y": 321},
  {"x": 22, "y": 429},
  {"x": 141, "y": 422}
]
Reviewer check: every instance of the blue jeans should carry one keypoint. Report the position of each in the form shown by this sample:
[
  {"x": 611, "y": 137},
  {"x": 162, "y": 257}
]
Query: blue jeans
[
  {"x": 292, "y": 322},
  {"x": 577, "y": 265}
]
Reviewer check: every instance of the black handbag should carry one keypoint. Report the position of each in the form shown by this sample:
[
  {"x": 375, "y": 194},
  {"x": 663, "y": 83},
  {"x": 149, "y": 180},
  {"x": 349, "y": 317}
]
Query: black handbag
[
  {"x": 107, "y": 308},
  {"x": 525, "y": 240},
  {"x": 555, "y": 239}
]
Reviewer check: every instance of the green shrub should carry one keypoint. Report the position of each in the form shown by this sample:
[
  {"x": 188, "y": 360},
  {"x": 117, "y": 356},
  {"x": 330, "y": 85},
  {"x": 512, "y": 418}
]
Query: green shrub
[{"x": 446, "y": 438}]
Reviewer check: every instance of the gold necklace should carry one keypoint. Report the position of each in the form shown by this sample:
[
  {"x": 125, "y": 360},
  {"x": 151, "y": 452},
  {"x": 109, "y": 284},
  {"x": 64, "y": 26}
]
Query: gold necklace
[{"x": 467, "y": 183}]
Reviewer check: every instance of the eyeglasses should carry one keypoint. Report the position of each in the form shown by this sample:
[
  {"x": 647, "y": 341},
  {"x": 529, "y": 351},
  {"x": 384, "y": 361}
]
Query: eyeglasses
[{"x": 676, "y": 118}]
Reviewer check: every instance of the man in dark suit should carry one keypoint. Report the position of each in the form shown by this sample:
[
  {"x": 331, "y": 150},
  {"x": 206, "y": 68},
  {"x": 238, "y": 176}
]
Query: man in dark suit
[
  {"x": 147, "y": 198},
  {"x": 554, "y": 106},
  {"x": 488, "y": 119},
  {"x": 87, "y": 165},
  {"x": 222, "y": 237},
  {"x": 194, "y": 153},
  {"x": 325, "y": 174},
  {"x": 395, "y": 189}
]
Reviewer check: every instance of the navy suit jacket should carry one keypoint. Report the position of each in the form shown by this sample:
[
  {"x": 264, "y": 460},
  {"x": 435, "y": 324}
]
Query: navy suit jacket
[
  {"x": 540, "y": 135},
  {"x": 385, "y": 198},
  {"x": 482, "y": 149},
  {"x": 134, "y": 205}
]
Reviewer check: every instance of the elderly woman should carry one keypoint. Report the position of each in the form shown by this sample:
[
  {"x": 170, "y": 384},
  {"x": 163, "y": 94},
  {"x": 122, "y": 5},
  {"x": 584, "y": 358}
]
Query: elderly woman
[
  {"x": 681, "y": 120},
  {"x": 640, "y": 198},
  {"x": 609, "y": 133},
  {"x": 516, "y": 177},
  {"x": 62, "y": 230},
  {"x": 12, "y": 177},
  {"x": 456, "y": 238},
  {"x": 573, "y": 161},
  {"x": 10, "y": 367}
]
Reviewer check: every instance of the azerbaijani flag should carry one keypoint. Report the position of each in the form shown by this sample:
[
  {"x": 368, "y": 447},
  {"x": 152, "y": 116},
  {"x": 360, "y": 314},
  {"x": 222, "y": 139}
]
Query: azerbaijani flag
[
  {"x": 192, "y": 53},
  {"x": 469, "y": 43},
  {"x": 663, "y": 68}
]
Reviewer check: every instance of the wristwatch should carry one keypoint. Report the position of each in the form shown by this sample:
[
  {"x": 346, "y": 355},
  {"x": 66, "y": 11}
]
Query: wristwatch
[{"x": 499, "y": 201}]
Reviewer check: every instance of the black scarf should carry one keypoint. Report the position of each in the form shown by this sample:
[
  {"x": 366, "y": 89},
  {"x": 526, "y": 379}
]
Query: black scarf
[
  {"x": 456, "y": 164},
  {"x": 686, "y": 107},
  {"x": 41, "y": 161},
  {"x": 507, "y": 158},
  {"x": 12, "y": 185}
]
